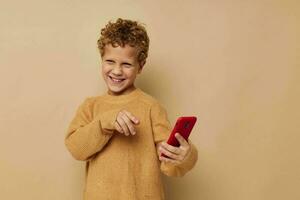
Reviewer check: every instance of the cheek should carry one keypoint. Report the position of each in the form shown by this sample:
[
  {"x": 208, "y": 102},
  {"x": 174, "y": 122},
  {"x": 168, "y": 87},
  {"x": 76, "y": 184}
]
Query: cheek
[
  {"x": 105, "y": 70},
  {"x": 104, "y": 73},
  {"x": 131, "y": 74}
]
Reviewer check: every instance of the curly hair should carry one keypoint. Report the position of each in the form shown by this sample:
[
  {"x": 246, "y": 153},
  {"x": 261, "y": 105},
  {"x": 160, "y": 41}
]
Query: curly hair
[{"x": 125, "y": 32}]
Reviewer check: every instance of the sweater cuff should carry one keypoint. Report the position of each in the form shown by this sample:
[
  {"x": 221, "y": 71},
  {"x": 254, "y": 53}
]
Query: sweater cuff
[{"x": 106, "y": 121}]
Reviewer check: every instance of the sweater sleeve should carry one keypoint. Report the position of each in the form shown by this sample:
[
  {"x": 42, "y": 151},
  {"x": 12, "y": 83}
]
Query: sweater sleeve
[
  {"x": 87, "y": 136},
  {"x": 161, "y": 128}
]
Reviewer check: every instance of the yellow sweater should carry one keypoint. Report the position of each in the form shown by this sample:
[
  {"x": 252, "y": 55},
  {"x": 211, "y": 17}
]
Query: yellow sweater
[{"x": 120, "y": 167}]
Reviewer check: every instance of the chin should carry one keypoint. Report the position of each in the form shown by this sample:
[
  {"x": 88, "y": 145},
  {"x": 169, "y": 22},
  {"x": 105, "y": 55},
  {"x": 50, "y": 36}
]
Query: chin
[{"x": 117, "y": 91}]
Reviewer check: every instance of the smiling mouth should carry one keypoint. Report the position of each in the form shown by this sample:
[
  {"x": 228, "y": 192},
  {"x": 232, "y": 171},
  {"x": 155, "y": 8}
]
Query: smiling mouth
[{"x": 115, "y": 80}]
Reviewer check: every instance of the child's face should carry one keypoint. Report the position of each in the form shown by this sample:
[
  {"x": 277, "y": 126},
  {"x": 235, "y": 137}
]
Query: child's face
[{"x": 120, "y": 68}]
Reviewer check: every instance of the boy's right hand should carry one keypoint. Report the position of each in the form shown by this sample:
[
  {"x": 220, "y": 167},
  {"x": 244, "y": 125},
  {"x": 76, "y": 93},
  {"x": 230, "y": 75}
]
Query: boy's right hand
[{"x": 125, "y": 123}]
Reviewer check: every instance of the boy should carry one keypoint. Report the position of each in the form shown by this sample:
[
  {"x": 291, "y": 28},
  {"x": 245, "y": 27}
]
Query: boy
[{"x": 121, "y": 133}]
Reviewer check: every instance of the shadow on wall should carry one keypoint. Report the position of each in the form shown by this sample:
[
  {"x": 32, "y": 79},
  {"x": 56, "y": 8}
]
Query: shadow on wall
[{"x": 157, "y": 81}]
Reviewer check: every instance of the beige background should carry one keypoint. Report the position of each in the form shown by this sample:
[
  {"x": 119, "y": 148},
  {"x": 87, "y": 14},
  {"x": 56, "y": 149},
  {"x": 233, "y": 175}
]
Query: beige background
[{"x": 234, "y": 64}]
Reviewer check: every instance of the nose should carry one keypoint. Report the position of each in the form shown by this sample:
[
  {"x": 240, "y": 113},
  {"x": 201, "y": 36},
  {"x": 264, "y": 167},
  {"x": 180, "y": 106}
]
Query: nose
[{"x": 117, "y": 70}]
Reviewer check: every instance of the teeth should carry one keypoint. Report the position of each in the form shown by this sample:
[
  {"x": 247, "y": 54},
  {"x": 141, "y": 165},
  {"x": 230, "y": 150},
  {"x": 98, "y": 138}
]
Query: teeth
[{"x": 116, "y": 80}]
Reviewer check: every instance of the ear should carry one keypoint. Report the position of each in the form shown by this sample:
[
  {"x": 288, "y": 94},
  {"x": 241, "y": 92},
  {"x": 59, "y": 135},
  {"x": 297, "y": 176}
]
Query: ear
[{"x": 141, "y": 66}]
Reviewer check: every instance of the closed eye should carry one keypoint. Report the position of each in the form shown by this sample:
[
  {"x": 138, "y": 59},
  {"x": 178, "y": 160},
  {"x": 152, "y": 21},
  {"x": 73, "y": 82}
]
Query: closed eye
[
  {"x": 109, "y": 61},
  {"x": 127, "y": 64}
]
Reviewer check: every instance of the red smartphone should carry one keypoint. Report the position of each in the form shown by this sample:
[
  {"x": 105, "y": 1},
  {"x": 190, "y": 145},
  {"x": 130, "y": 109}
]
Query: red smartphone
[{"x": 183, "y": 126}]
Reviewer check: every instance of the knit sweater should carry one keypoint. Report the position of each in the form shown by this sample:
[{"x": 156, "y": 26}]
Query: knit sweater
[{"x": 120, "y": 167}]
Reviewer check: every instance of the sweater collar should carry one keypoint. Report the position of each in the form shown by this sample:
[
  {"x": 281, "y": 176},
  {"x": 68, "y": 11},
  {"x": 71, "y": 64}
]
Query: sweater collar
[{"x": 123, "y": 97}]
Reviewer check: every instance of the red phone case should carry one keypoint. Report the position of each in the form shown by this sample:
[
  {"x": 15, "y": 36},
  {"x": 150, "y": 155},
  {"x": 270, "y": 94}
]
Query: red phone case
[{"x": 183, "y": 126}]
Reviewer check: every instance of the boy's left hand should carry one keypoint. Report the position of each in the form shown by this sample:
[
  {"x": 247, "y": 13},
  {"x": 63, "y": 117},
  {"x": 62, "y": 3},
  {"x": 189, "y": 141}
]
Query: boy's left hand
[{"x": 176, "y": 154}]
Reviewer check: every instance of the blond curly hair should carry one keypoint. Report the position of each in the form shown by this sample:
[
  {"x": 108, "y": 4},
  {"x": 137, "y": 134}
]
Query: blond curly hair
[{"x": 125, "y": 32}]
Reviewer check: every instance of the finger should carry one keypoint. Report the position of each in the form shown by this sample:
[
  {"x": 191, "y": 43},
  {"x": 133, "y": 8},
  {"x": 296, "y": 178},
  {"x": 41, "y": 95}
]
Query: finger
[
  {"x": 168, "y": 160},
  {"x": 181, "y": 140},
  {"x": 157, "y": 147},
  {"x": 171, "y": 148},
  {"x": 169, "y": 153},
  {"x": 159, "y": 144},
  {"x": 123, "y": 126},
  {"x": 118, "y": 127},
  {"x": 131, "y": 117},
  {"x": 128, "y": 124}
]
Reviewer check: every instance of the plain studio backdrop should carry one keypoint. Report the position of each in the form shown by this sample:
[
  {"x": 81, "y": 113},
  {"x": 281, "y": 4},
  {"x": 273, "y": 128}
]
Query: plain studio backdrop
[{"x": 234, "y": 64}]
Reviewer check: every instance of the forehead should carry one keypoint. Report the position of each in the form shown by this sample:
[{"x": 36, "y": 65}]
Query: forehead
[{"x": 126, "y": 52}]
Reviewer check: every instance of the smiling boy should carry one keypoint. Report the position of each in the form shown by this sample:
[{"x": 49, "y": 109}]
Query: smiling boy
[
  {"x": 122, "y": 133},
  {"x": 120, "y": 68}
]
